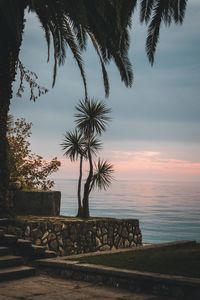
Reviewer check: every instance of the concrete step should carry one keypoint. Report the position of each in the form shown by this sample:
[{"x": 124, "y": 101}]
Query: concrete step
[
  {"x": 7, "y": 261},
  {"x": 4, "y": 251},
  {"x": 16, "y": 273}
]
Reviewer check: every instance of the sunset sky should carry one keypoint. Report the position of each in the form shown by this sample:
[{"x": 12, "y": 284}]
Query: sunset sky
[{"x": 155, "y": 128}]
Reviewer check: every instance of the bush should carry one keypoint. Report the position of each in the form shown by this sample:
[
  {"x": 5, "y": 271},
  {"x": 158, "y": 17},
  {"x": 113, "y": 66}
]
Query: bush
[{"x": 27, "y": 167}]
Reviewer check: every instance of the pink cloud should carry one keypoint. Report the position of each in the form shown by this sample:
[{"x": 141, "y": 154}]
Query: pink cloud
[
  {"x": 139, "y": 164},
  {"x": 150, "y": 163}
]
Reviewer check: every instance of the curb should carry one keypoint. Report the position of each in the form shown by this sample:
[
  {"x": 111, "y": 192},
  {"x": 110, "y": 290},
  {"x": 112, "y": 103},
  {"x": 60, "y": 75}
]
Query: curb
[{"x": 180, "y": 287}]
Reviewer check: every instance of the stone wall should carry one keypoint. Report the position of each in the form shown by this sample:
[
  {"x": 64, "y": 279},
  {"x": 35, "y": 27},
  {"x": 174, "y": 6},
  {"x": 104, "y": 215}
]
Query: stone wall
[
  {"x": 44, "y": 203},
  {"x": 74, "y": 237}
]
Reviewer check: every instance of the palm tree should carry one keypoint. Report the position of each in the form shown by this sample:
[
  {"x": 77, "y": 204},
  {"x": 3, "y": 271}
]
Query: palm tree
[
  {"x": 70, "y": 23},
  {"x": 82, "y": 143},
  {"x": 91, "y": 118},
  {"x": 75, "y": 148}
]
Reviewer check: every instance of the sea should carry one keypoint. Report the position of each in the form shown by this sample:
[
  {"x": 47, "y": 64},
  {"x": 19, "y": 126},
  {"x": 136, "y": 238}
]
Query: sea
[{"x": 167, "y": 211}]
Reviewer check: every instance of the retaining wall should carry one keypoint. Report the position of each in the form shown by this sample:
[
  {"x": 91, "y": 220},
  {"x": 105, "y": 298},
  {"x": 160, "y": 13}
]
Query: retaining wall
[{"x": 80, "y": 236}]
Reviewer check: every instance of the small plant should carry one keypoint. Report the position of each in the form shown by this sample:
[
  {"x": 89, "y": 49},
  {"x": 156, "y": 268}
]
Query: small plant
[
  {"x": 27, "y": 168},
  {"x": 83, "y": 143}
]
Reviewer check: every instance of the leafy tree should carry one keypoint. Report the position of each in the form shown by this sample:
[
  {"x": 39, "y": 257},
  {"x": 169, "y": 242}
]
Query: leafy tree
[
  {"x": 27, "y": 167},
  {"x": 91, "y": 119},
  {"x": 69, "y": 23}
]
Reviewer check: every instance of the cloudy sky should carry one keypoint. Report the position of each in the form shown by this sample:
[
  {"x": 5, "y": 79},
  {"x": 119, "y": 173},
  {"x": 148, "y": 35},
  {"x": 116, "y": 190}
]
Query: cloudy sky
[{"x": 155, "y": 128}]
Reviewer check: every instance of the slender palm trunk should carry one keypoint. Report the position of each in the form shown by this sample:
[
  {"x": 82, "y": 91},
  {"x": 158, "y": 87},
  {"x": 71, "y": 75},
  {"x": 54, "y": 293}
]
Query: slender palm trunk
[
  {"x": 9, "y": 52},
  {"x": 80, "y": 208},
  {"x": 86, "y": 212}
]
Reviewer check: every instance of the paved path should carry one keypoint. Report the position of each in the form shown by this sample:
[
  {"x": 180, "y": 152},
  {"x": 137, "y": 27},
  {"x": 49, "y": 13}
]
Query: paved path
[{"x": 47, "y": 288}]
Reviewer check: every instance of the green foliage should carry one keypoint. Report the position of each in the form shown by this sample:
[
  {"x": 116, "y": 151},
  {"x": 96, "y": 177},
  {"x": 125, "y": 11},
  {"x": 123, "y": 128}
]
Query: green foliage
[{"x": 27, "y": 167}]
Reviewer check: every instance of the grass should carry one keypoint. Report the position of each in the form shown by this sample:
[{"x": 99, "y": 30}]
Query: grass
[{"x": 174, "y": 260}]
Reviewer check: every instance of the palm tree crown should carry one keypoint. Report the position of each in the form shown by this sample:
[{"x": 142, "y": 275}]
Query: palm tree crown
[
  {"x": 69, "y": 23},
  {"x": 92, "y": 116},
  {"x": 73, "y": 144}
]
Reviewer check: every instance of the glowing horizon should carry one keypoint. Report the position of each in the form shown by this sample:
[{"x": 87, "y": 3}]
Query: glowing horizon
[{"x": 139, "y": 164}]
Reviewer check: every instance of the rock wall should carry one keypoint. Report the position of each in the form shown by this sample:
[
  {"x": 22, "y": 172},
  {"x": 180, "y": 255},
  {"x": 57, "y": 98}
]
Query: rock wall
[
  {"x": 44, "y": 203},
  {"x": 74, "y": 237}
]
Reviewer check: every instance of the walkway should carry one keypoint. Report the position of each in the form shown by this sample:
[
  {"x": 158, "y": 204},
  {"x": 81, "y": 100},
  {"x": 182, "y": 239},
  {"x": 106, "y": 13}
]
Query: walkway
[{"x": 47, "y": 288}]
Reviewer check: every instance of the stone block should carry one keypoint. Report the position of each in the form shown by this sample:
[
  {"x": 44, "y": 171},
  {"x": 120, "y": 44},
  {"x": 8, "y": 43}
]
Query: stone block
[{"x": 45, "y": 203}]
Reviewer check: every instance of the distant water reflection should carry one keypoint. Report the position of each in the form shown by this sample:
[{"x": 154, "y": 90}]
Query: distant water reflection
[{"x": 167, "y": 210}]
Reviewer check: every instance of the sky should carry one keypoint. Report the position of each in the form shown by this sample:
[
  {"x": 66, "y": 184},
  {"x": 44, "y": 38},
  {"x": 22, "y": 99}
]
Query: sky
[{"x": 155, "y": 128}]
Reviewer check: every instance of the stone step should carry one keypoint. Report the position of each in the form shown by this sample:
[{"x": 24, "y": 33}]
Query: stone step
[
  {"x": 23, "y": 243},
  {"x": 8, "y": 240},
  {"x": 16, "y": 273},
  {"x": 23, "y": 247},
  {"x": 4, "y": 251},
  {"x": 36, "y": 251},
  {"x": 7, "y": 261}
]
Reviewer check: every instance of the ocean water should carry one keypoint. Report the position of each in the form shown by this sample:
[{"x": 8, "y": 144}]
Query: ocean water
[{"x": 167, "y": 211}]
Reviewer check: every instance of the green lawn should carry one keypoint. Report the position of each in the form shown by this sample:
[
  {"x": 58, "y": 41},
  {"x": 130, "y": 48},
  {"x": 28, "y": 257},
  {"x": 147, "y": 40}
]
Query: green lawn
[{"x": 174, "y": 260}]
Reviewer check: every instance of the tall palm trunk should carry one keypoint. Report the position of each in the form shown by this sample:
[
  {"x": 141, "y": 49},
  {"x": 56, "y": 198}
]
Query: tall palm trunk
[
  {"x": 86, "y": 212},
  {"x": 80, "y": 208},
  {"x": 9, "y": 52}
]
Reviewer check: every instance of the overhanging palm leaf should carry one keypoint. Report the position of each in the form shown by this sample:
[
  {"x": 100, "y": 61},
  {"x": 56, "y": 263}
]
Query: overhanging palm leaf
[
  {"x": 58, "y": 27},
  {"x": 103, "y": 175},
  {"x": 153, "y": 12},
  {"x": 92, "y": 116}
]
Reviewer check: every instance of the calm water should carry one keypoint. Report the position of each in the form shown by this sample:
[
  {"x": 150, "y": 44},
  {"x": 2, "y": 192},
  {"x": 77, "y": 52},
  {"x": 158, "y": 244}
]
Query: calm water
[{"x": 167, "y": 211}]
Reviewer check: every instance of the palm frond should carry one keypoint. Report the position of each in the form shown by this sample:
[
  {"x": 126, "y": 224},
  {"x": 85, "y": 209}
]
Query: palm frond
[
  {"x": 156, "y": 11},
  {"x": 103, "y": 175},
  {"x": 73, "y": 144},
  {"x": 71, "y": 40},
  {"x": 104, "y": 72},
  {"x": 153, "y": 31},
  {"x": 92, "y": 116},
  {"x": 95, "y": 145},
  {"x": 146, "y": 9}
]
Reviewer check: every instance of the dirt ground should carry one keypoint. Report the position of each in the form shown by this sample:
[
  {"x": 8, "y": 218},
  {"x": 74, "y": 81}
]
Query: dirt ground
[{"x": 47, "y": 288}]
